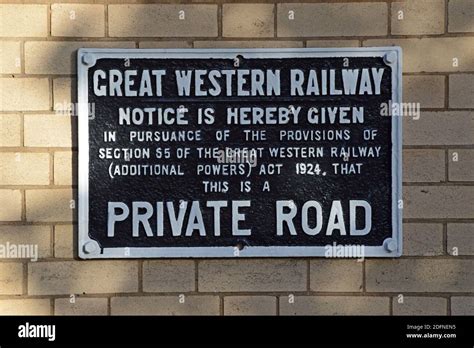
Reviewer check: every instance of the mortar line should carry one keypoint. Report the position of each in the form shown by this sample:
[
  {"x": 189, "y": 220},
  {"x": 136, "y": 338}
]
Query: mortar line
[
  {"x": 23, "y": 205},
  {"x": 449, "y": 306},
  {"x": 389, "y": 19},
  {"x": 446, "y": 164},
  {"x": 242, "y": 38},
  {"x": 22, "y": 130},
  {"x": 275, "y": 20},
  {"x": 25, "y": 279},
  {"x": 140, "y": 276},
  {"x": 49, "y": 20},
  {"x": 446, "y": 17},
  {"x": 196, "y": 275},
  {"x": 445, "y": 238},
  {"x": 446, "y": 92},
  {"x": 22, "y": 57},
  {"x": 52, "y": 242},
  {"x": 220, "y": 23},
  {"x": 390, "y": 305},
  {"x": 106, "y": 20},
  {"x": 277, "y": 303},
  {"x": 51, "y": 168},
  {"x": 308, "y": 275},
  {"x": 51, "y": 95},
  {"x": 364, "y": 277},
  {"x": 259, "y": 293}
]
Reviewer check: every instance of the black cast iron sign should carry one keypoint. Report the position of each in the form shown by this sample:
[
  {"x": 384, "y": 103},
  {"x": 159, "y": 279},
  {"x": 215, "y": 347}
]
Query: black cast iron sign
[{"x": 239, "y": 153}]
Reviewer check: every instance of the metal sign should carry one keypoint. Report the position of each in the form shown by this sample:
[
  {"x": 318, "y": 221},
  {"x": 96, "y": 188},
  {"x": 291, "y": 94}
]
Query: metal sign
[{"x": 239, "y": 152}]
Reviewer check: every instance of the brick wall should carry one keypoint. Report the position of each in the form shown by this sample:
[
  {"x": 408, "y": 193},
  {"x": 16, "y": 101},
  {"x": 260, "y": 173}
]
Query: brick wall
[{"x": 38, "y": 151}]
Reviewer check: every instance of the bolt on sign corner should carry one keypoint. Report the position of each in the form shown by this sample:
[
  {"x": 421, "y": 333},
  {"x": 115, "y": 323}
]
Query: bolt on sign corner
[{"x": 239, "y": 152}]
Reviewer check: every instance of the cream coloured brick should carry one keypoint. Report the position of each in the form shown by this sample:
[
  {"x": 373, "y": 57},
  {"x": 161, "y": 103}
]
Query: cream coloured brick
[
  {"x": 50, "y": 205},
  {"x": 10, "y": 51},
  {"x": 461, "y": 90},
  {"x": 65, "y": 168},
  {"x": 64, "y": 241},
  {"x": 247, "y": 20},
  {"x": 421, "y": 239},
  {"x": 23, "y": 20},
  {"x": 250, "y": 305},
  {"x": 438, "y": 202},
  {"x": 24, "y": 94},
  {"x": 81, "y": 306},
  {"x": 11, "y": 278},
  {"x": 162, "y": 20},
  {"x": 461, "y": 165},
  {"x": 439, "y": 128},
  {"x": 420, "y": 306},
  {"x": 461, "y": 238},
  {"x": 428, "y": 90},
  {"x": 334, "y": 305},
  {"x": 165, "y": 44},
  {"x": 38, "y": 236},
  {"x": 77, "y": 20},
  {"x": 64, "y": 94},
  {"x": 25, "y": 307},
  {"x": 59, "y": 57},
  {"x": 23, "y": 168},
  {"x": 11, "y": 205},
  {"x": 424, "y": 166},
  {"x": 50, "y": 130},
  {"x": 462, "y": 305},
  {"x": 10, "y": 130},
  {"x": 169, "y": 275},
  {"x": 450, "y": 54},
  {"x": 165, "y": 305},
  {"x": 252, "y": 275},
  {"x": 332, "y": 43},
  {"x": 418, "y": 17},
  {"x": 461, "y": 14},
  {"x": 349, "y": 19},
  {"x": 335, "y": 275},
  {"x": 77, "y": 277},
  {"x": 419, "y": 275},
  {"x": 247, "y": 44}
]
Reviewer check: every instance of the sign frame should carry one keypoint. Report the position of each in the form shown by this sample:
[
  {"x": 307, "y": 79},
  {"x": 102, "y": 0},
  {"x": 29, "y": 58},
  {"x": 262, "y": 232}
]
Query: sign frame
[{"x": 88, "y": 248}]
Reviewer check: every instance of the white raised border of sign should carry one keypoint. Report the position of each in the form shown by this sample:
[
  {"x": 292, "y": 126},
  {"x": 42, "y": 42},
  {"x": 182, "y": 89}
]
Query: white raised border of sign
[{"x": 89, "y": 248}]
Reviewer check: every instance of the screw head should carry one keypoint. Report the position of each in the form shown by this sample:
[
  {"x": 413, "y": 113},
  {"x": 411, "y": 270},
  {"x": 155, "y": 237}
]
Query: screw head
[
  {"x": 390, "y": 244},
  {"x": 90, "y": 247},
  {"x": 88, "y": 59},
  {"x": 390, "y": 57}
]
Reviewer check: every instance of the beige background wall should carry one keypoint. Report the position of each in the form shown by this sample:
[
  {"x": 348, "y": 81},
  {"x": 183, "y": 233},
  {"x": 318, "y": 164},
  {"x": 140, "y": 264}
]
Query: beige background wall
[{"x": 38, "y": 150}]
